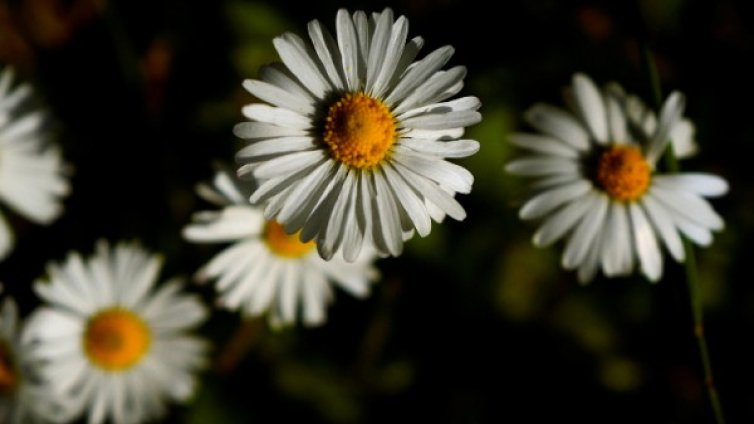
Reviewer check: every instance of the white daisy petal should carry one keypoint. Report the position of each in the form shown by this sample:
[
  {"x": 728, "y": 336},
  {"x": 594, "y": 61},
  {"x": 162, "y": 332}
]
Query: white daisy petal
[
  {"x": 671, "y": 113},
  {"x": 377, "y": 48},
  {"x": 392, "y": 56},
  {"x": 585, "y": 234},
  {"x": 276, "y": 146},
  {"x": 645, "y": 242},
  {"x": 320, "y": 214},
  {"x": 558, "y": 123},
  {"x": 463, "y": 103},
  {"x": 442, "y": 149},
  {"x": 297, "y": 57},
  {"x": 418, "y": 73},
  {"x": 327, "y": 51},
  {"x": 663, "y": 224},
  {"x": 276, "y": 116},
  {"x": 589, "y": 266},
  {"x": 690, "y": 205},
  {"x": 437, "y": 83},
  {"x": 444, "y": 135},
  {"x": 409, "y": 201},
  {"x": 388, "y": 228},
  {"x": 617, "y": 251},
  {"x": 364, "y": 36},
  {"x": 261, "y": 130},
  {"x": 616, "y": 119},
  {"x": 543, "y": 145},
  {"x": 279, "y": 97},
  {"x": 543, "y": 166},
  {"x": 562, "y": 221},
  {"x": 232, "y": 223},
  {"x": 330, "y": 239},
  {"x": 682, "y": 137},
  {"x": 288, "y": 163},
  {"x": 349, "y": 49},
  {"x": 591, "y": 107},
  {"x": 306, "y": 194},
  {"x": 450, "y": 175},
  {"x": 550, "y": 200},
  {"x": 353, "y": 233},
  {"x": 278, "y": 75},
  {"x": 702, "y": 184},
  {"x": 410, "y": 51},
  {"x": 441, "y": 121},
  {"x": 432, "y": 192}
]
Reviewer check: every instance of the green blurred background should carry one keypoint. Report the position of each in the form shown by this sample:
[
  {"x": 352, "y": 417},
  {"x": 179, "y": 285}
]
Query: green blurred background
[{"x": 471, "y": 324}]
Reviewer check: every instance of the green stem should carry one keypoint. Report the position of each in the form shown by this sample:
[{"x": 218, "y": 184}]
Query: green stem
[{"x": 692, "y": 275}]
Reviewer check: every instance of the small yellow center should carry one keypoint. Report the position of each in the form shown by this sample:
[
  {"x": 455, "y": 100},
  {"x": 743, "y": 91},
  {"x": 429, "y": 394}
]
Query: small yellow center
[
  {"x": 359, "y": 130},
  {"x": 284, "y": 244},
  {"x": 116, "y": 339},
  {"x": 8, "y": 371},
  {"x": 623, "y": 173}
]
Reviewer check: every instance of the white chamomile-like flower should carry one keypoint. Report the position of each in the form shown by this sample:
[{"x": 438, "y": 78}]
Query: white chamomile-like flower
[
  {"x": 32, "y": 180},
  {"x": 110, "y": 343},
  {"x": 24, "y": 398},
  {"x": 351, "y": 148},
  {"x": 267, "y": 270},
  {"x": 642, "y": 123},
  {"x": 597, "y": 184}
]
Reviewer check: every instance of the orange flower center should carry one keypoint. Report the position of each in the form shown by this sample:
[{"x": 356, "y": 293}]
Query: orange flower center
[
  {"x": 623, "y": 173},
  {"x": 116, "y": 339},
  {"x": 359, "y": 130},
  {"x": 284, "y": 244}
]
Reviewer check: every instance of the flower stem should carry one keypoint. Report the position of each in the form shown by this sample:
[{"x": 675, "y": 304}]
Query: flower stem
[{"x": 692, "y": 275}]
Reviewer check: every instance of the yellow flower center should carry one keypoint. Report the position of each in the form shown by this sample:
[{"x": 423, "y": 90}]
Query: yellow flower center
[
  {"x": 623, "y": 173},
  {"x": 8, "y": 371},
  {"x": 359, "y": 130},
  {"x": 284, "y": 244},
  {"x": 116, "y": 339}
]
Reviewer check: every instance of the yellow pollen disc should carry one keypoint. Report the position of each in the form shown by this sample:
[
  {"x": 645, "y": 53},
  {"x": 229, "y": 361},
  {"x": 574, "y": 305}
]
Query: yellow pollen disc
[
  {"x": 359, "y": 130},
  {"x": 623, "y": 173},
  {"x": 116, "y": 339},
  {"x": 8, "y": 372},
  {"x": 284, "y": 244}
]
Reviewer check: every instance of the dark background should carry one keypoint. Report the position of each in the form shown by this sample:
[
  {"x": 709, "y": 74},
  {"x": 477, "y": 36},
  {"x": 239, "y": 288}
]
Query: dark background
[{"x": 470, "y": 325}]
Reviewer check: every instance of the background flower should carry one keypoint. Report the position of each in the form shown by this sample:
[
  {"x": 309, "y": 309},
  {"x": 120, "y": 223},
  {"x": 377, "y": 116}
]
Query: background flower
[
  {"x": 266, "y": 270},
  {"x": 31, "y": 170},
  {"x": 112, "y": 345},
  {"x": 597, "y": 184}
]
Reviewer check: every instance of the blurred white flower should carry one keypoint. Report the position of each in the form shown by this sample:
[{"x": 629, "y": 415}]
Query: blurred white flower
[
  {"x": 31, "y": 169},
  {"x": 352, "y": 148},
  {"x": 24, "y": 397},
  {"x": 596, "y": 182},
  {"x": 112, "y": 345},
  {"x": 266, "y": 270}
]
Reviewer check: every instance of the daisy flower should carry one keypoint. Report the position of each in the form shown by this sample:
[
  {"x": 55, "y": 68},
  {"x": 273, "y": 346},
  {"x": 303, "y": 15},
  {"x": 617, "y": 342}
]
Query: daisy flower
[
  {"x": 351, "y": 148},
  {"x": 597, "y": 184},
  {"x": 266, "y": 269},
  {"x": 111, "y": 344},
  {"x": 31, "y": 169},
  {"x": 24, "y": 397}
]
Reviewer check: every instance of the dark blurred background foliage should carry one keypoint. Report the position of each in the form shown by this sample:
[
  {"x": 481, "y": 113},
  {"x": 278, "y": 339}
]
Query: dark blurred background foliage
[{"x": 471, "y": 324}]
